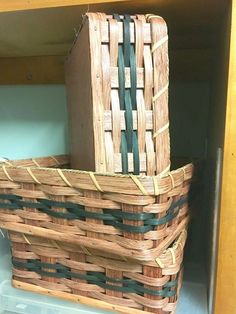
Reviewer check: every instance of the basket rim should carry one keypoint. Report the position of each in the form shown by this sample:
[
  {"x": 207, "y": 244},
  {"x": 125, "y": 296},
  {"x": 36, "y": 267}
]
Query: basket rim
[
  {"x": 39, "y": 170},
  {"x": 10, "y": 164}
]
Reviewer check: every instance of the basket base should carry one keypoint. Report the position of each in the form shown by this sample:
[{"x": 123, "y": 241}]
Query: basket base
[{"x": 77, "y": 299}]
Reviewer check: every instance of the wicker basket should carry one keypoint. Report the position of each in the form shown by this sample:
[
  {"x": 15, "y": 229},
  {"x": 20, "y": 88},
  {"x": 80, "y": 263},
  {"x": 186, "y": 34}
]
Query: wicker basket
[
  {"x": 96, "y": 278},
  {"x": 112, "y": 218},
  {"x": 117, "y": 90}
]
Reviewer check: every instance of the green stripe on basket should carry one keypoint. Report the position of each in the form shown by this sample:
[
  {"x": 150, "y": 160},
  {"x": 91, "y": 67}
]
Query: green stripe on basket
[
  {"x": 125, "y": 285},
  {"x": 127, "y": 97},
  {"x": 129, "y": 58},
  {"x": 129, "y": 121},
  {"x": 136, "y": 154},
  {"x": 109, "y": 216}
]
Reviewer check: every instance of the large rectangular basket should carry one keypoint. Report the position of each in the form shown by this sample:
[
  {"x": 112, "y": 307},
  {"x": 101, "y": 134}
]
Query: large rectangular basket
[
  {"x": 111, "y": 237},
  {"x": 117, "y": 76},
  {"x": 97, "y": 278}
]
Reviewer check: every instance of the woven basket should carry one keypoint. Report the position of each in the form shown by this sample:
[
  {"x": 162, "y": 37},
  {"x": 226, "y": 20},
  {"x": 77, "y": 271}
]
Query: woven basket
[
  {"x": 117, "y": 90},
  {"x": 96, "y": 278},
  {"x": 110, "y": 224}
]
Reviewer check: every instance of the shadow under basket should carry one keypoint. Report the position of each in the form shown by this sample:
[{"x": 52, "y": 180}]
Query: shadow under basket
[{"x": 116, "y": 239}]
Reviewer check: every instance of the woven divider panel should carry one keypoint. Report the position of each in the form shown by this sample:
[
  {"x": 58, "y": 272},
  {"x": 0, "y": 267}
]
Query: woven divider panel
[
  {"x": 134, "y": 90},
  {"x": 90, "y": 275}
]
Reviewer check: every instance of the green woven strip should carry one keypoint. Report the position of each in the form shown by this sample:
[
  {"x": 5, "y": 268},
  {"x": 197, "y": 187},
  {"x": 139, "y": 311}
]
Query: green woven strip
[
  {"x": 133, "y": 78},
  {"x": 127, "y": 97},
  {"x": 128, "y": 105},
  {"x": 109, "y": 216},
  {"x": 124, "y": 153},
  {"x": 126, "y": 24},
  {"x": 129, "y": 121},
  {"x": 136, "y": 154},
  {"x": 126, "y": 285}
]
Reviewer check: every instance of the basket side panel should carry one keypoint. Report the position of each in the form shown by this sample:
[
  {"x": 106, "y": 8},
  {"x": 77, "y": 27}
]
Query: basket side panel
[{"x": 80, "y": 105}]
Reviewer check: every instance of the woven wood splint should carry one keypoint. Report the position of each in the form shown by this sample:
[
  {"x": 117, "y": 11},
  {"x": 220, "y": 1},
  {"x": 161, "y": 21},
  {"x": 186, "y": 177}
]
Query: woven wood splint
[
  {"x": 117, "y": 90},
  {"x": 108, "y": 237}
]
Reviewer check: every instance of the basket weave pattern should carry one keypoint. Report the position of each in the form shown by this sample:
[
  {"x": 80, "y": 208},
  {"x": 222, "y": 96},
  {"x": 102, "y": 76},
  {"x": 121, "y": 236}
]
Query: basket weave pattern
[
  {"x": 129, "y": 82},
  {"x": 91, "y": 273},
  {"x": 97, "y": 220},
  {"x": 105, "y": 238}
]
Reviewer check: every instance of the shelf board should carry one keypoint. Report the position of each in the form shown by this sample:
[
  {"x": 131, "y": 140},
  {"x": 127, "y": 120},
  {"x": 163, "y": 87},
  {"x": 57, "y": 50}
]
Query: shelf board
[
  {"x": 34, "y": 43},
  {"x": 192, "y": 24},
  {"x": 206, "y": 6},
  {"x": 18, "y": 5},
  {"x": 32, "y": 70}
]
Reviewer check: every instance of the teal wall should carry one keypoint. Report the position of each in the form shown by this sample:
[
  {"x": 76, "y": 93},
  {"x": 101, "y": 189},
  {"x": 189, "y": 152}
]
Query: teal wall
[{"x": 33, "y": 121}]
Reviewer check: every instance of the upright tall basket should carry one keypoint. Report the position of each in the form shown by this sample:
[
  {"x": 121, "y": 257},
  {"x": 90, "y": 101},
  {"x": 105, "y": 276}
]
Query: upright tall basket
[{"x": 117, "y": 88}]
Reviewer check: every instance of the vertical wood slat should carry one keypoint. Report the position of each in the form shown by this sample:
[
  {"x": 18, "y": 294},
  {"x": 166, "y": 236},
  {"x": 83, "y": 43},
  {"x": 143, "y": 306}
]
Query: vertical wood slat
[
  {"x": 59, "y": 221},
  {"x": 32, "y": 187},
  {"x": 115, "y": 103},
  {"x": 141, "y": 116},
  {"x": 148, "y": 82},
  {"x": 93, "y": 195},
  {"x": 174, "y": 222},
  {"x": 156, "y": 272},
  {"x": 97, "y": 95},
  {"x": 148, "y": 95},
  {"x": 160, "y": 105},
  {"x": 116, "y": 132},
  {"x": 78, "y": 257},
  {"x": 132, "y": 209},
  {"x": 113, "y": 138}
]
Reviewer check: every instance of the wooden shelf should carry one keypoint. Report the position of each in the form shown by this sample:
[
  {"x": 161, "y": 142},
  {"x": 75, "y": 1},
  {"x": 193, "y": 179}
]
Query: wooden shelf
[
  {"x": 192, "y": 24},
  {"x": 38, "y": 40}
]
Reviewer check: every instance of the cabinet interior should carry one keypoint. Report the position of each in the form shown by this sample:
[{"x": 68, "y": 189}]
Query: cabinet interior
[{"x": 33, "y": 47}]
